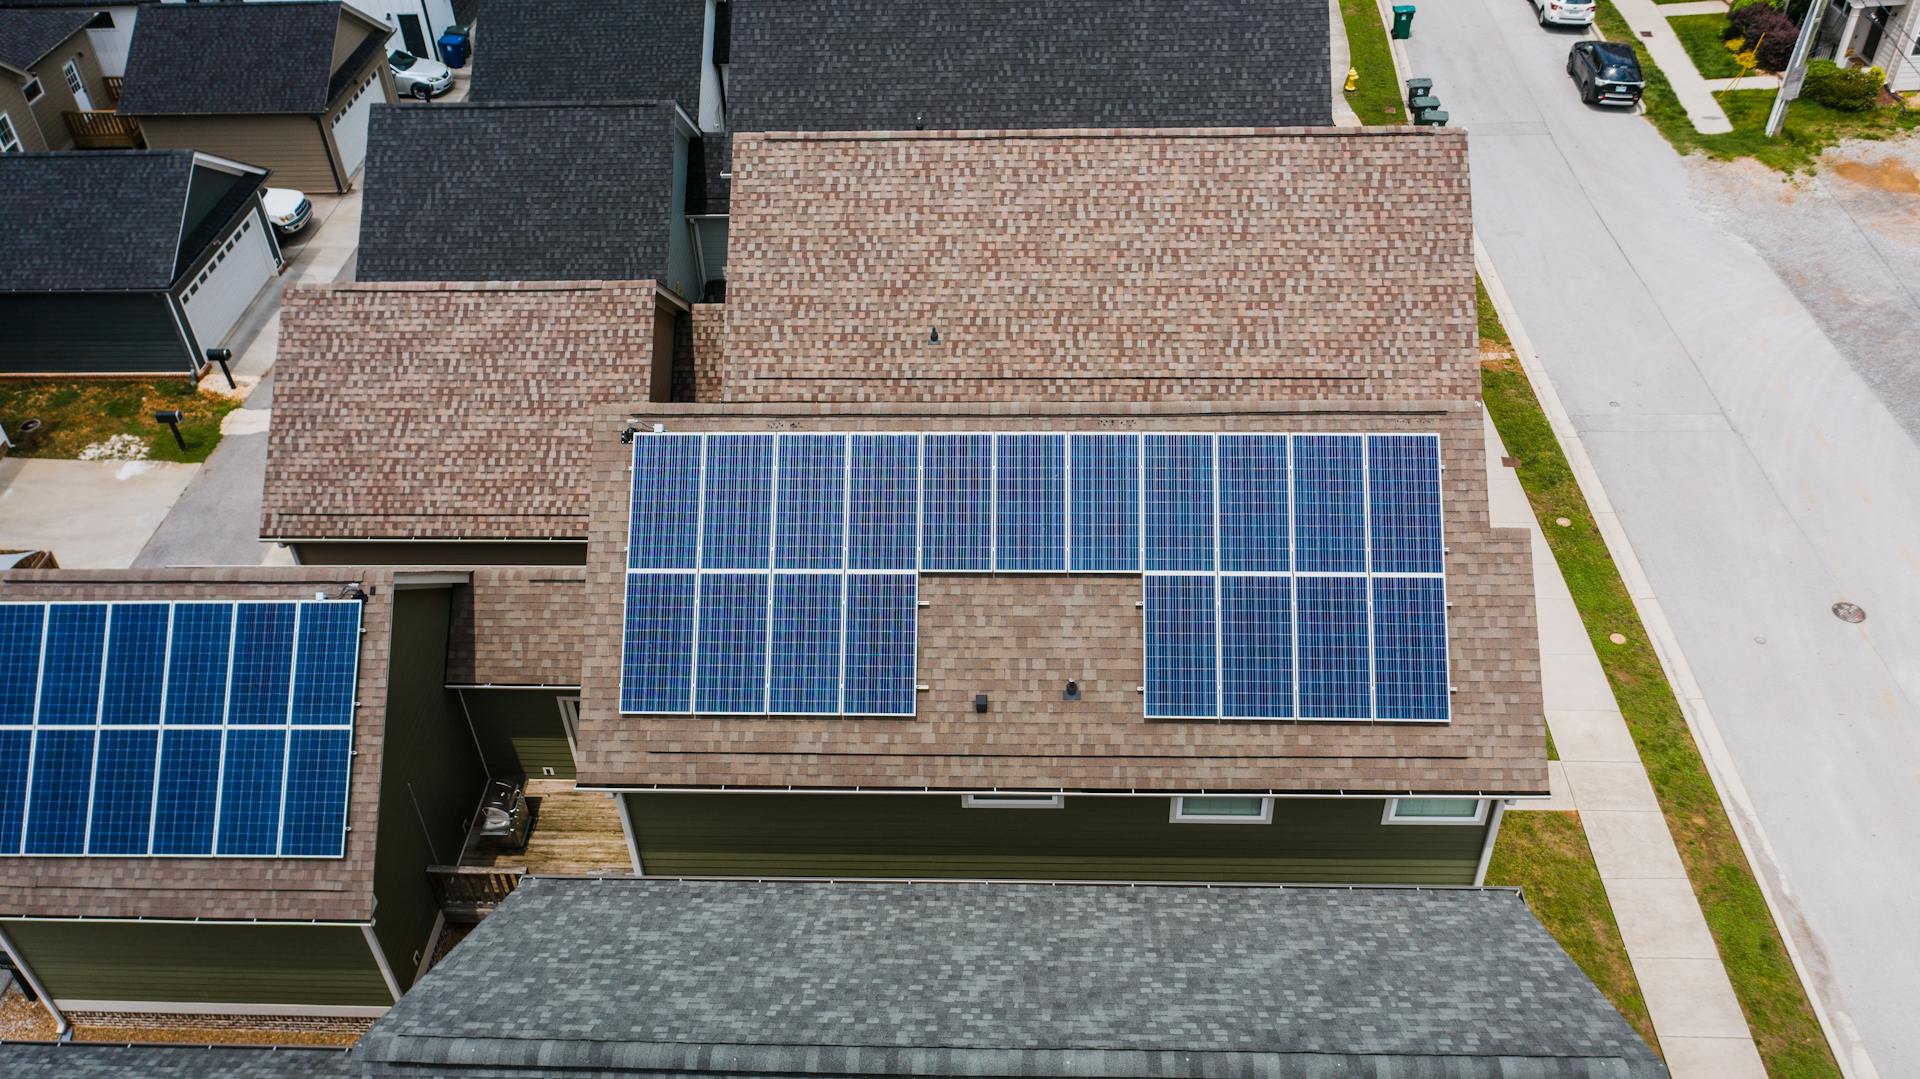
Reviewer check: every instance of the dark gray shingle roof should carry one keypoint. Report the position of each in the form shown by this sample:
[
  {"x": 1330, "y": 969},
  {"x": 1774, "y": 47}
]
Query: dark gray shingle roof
[
  {"x": 26, "y": 36},
  {"x": 678, "y": 976},
  {"x": 834, "y": 65},
  {"x": 93, "y": 219},
  {"x": 517, "y": 193},
  {"x": 202, "y": 59},
  {"x": 591, "y": 50},
  {"x": 95, "y": 1060}
]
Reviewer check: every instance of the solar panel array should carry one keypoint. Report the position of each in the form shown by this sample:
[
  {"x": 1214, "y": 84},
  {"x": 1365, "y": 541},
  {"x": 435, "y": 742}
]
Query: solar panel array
[
  {"x": 1287, "y": 576},
  {"x": 193, "y": 729}
]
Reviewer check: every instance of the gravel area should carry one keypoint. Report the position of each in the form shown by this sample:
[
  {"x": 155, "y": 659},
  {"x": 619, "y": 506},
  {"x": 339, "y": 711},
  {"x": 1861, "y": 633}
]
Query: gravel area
[{"x": 22, "y": 1021}]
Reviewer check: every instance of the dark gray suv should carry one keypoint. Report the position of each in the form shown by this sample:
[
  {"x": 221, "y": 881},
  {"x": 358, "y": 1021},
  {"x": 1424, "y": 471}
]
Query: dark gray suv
[{"x": 1606, "y": 72}]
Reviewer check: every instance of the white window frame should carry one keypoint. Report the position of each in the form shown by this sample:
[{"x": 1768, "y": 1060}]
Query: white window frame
[
  {"x": 76, "y": 82},
  {"x": 1388, "y": 816},
  {"x": 33, "y": 91},
  {"x": 1013, "y": 801},
  {"x": 9, "y": 135},
  {"x": 1179, "y": 815}
]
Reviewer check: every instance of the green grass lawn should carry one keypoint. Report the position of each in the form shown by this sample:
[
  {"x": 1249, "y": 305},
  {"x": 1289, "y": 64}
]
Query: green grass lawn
[
  {"x": 1704, "y": 37},
  {"x": 1809, "y": 130},
  {"x": 1546, "y": 854},
  {"x": 77, "y": 413},
  {"x": 1378, "y": 98}
]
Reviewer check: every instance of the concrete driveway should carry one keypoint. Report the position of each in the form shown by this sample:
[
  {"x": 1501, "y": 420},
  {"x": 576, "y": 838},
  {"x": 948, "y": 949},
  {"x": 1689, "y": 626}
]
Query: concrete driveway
[
  {"x": 1758, "y": 477},
  {"x": 90, "y": 514}
]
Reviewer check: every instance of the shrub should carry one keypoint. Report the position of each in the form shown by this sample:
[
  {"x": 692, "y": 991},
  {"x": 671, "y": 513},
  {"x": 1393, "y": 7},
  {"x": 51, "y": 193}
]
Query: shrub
[
  {"x": 1753, "y": 20},
  {"x": 1846, "y": 89}
]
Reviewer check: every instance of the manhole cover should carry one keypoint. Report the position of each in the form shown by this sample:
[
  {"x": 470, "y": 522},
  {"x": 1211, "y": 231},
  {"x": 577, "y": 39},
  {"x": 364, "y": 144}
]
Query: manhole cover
[{"x": 1849, "y": 612}]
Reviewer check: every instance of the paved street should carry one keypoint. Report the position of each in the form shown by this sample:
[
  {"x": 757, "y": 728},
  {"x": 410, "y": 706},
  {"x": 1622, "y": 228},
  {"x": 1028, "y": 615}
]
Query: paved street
[{"x": 1758, "y": 476}]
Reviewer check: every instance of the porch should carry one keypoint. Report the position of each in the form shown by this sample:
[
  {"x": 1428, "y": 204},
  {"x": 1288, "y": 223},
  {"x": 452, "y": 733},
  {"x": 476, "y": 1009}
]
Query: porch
[{"x": 574, "y": 832}]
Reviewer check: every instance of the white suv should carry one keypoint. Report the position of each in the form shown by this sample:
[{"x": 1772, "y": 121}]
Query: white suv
[{"x": 1564, "y": 12}]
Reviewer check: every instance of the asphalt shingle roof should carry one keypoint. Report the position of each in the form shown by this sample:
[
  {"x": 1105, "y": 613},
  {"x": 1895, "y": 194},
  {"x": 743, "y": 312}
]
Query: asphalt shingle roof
[
  {"x": 26, "y": 36},
  {"x": 813, "y": 65},
  {"x": 97, "y": 1060},
  {"x": 92, "y": 220},
  {"x": 591, "y": 50},
  {"x": 518, "y": 193},
  {"x": 677, "y": 977},
  {"x": 210, "y": 59}
]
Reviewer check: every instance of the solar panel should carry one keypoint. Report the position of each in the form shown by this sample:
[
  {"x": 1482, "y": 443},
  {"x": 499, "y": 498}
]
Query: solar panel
[
  {"x": 1331, "y": 619},
  {"x": 1030, "y": 512},
  {"x": 1256, "y": 647},
  {"x": 180, "y": 745},
  {"x": 882, "y": 617},
  {"x": 1179, "y": 502},
  {"x": 957, "y": 502},
  {"x": 883, "y": 515},
  {"x": 805, "y": 651},
  {"x": 1410, "y": 647},
  {"x": 665, "y": 507},
  {"x": 1329, "y": 505},
  {"x": 810, "y": 517},
  {"x": 1182, "y": 647},
  {"x": 1104, "y": 517},
  {"x": 1255, "y": 499},
  {"x": 730, "y": 665},
  {"x": 656, "y": 671},
  {"x": 737, "y": 511},
  {"x": 1403, "y": 503}
]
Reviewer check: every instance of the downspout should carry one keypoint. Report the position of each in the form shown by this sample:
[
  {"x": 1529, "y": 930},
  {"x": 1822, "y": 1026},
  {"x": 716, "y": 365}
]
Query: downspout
[
  {"x": 380, "y": 957},
  {"x": 64, "y": 1029},
  {"x": 1493, "y": 834},
  {"x": 626, "y": 825}
]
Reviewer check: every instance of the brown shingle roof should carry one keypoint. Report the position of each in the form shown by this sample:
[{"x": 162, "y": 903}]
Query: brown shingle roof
[
  {"x": 518, "y": 626},
  {"x": 1233, "y": 264},
  {"x": 447, "y": 411},
  {"x": 1020, "y": 638}
]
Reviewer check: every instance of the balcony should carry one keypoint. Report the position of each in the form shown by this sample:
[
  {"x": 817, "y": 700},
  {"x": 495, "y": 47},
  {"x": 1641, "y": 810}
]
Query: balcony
[{"x": 104, "y": 129}]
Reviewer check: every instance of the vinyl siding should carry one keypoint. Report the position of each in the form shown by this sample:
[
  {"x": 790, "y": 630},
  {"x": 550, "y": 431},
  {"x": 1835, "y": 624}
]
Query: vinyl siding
[
  {"x": 519, "y": 730},
  {"x": 923, "y": 835},
  {"x": 52, "y": 107},
  {"x": 102, "y": 333},
  {"x": 180, "y": 963},
  {"x": 292, "y": 146},
  {"x": 26, "y": 126}
]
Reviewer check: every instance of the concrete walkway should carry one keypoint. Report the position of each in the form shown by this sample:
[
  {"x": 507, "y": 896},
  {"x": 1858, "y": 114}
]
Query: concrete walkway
[
  {"x": 1649, "y": 21},
  {"x": 1698, "y": 1020},
  {"x": 1339, "y": 55}
]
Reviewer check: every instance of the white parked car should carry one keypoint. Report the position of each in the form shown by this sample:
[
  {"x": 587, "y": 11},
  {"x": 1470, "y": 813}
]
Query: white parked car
[
  {"x": 1564, "y": 12},
  {"x": 417, "y": 76},
  {"x": 289, "y": 210}
]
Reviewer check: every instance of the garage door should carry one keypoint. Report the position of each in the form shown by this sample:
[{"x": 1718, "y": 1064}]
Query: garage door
[
  {"x": 350, "y": 123},
  {"x": 225, "y": 287}
]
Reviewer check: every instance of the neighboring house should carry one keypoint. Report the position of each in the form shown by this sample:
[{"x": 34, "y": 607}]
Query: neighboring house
[
  {"x": 418, "y": 23},
  {"x": 587, "y": 50},
  {"x": 48, "y": 69},
  {"x": 1873, "y": 33},
  {"x": 427, "y": 423},
  {"x": 591, "y": 192},
  {"x": 109, "y": 27},
  {"x": 128, "y": 261},
  {"x": 291, "y": 90}
]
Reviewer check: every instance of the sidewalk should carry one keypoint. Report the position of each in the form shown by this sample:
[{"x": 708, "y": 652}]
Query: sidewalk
[
  {"x": 1702, "y": 1032},
  {"x": 1649, "y": 21}
]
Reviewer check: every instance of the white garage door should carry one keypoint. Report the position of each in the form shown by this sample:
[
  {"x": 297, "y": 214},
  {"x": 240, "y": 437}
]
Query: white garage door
[
  {"x": 225, "y": 287},
  {"x": 350, "y": 123}
]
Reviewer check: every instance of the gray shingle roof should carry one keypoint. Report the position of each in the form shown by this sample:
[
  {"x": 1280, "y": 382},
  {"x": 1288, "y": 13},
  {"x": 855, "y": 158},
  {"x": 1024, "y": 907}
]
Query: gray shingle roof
[
  {"x": 683, "y": 977},
  {"x": 808, "y": 65},
  {"x": 93, "y": 220},
  {"x": 581, "y": 50},
  {"x": 201, "y": 59},
  {"x": 88, "y": 1060},
  {"x": 517, "y": 193},
  {"x": 26, "y": 36}
]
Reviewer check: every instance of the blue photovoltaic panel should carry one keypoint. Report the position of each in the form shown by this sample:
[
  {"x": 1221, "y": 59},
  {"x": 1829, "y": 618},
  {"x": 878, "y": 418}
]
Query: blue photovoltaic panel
[
  {"x": 656, "y": 673},
  {"x": 16, "y": 748},
  {"x": 1256, "y": 647},
  {"x": 957, "y": 503},
  {"x": 1329, "y": 505},
  {"x": 70, "y": 671},
  {"x": 810, "y": 491},
  {"x": 1182, "y": 647},
  {"x": 1179, "y": 502},
  {"x": 1030, "y": 493},
  {"x": 197, "y": 666},
  {"x": 57, "y": 801},
  {"x": 882, "y": 615},
  {"x": 730, "y": 664},
  {"x": 136, "y": 663},
  {"x": 262, "y": 663},
  {"x": 1403, "y": 495},
  {"x": 665, "y": 511},
  {"x": 315, "y": 820},
  {"x": 1331, "y": 619},
  {"x": 1253, "y": 504},
  {"x": 738, "y": 506},
  {"x": 123, "y": 790},
  {"x": 189, "y": 780},
  {"x": 1410, "y": 648},
  {"x": 1104, "y": 474},
  {"x": 326, "y": 664},
  {"x": 250, "y": 784},
  {"x": 884, "y": 517},
  {"x": 806, "y": 644},
  {"x": 20, "y": 628}
]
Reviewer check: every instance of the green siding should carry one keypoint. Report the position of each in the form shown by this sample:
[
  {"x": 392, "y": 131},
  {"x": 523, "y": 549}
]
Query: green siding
[
  {"x": 90, "y": 333},
  {"x": 173, "y": 962},
  {"x": 430, "y": 782},
  {"x": 519, "y": 730},
  {"x": 1309, "y": 841}
]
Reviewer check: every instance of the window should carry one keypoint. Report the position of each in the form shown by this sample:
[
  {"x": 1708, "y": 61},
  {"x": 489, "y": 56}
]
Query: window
[
  {"x": 1222, "y": 810},
  {"x": 32, "y": 90},
  {"x": 1435, "y": 811},
  {"x": 9, "y": 142},
  {"x": 1013, "y": 801},
  {"x": 74, "y": 82}
]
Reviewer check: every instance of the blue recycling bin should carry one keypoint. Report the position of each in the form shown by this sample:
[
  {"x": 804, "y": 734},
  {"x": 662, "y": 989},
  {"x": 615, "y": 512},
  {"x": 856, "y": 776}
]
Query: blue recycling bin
[{"x": 453, "y": 47}]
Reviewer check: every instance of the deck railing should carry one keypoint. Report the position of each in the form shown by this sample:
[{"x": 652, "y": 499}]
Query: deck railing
[
  {"x": 114, "y": 83},
  {"x": 469, "y": 893},
  {"x": 100, "y": 129}
]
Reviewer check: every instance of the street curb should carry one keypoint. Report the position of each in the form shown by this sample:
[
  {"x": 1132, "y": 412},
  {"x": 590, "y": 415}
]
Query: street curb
[{"x": 1853, "y": 1062}]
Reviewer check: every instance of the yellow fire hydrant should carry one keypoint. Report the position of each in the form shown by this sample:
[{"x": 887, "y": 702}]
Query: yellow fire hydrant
[{"x": 1353, "y": 79}]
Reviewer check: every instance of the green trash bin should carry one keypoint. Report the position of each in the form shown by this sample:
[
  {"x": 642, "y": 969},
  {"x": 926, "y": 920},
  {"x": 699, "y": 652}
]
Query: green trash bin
[{"x": 1403, "y": 21}]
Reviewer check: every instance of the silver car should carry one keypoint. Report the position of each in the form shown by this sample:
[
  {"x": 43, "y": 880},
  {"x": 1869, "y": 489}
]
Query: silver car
[{"x": 417, "y": 76}]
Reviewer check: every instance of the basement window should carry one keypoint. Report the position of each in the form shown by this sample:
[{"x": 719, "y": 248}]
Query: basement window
[
  {"x": 1013, "y": 801},
  {"x": 1435, "y": 811},
  {"x": 1214, "y": 809}
]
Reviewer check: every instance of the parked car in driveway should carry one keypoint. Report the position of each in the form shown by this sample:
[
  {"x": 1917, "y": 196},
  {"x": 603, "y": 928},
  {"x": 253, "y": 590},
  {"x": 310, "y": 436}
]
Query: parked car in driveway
[
  {"x": 417, "y": 76},
  {"x": 289, "y": 210},
  {"x": 1606, "y": 72},
  {"x": 1564, "y": 12}
]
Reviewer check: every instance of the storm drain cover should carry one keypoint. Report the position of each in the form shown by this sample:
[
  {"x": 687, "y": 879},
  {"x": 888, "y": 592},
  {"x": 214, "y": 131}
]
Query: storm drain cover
[{"x": 1849, "y": 612}]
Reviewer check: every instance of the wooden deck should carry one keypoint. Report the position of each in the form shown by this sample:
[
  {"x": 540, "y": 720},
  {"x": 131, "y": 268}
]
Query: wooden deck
[{"x": 573, "y": 832}]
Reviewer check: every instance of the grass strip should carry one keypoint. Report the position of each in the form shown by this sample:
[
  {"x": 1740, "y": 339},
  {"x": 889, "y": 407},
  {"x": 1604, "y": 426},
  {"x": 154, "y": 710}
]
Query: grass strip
[
  {"x": 1705, "y": 39},
  {"x": 1377, "y": 99},
  {"x": 77, "y": 413}
]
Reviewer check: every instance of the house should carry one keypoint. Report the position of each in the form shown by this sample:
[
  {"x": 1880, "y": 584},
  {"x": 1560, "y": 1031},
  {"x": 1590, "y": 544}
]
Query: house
[
  {"x": 593, "y": 192},
  {"x": 417, "y": 24},
  {"x": 109, "y": 28},
  {"x": 579, "y": 50},
  {"x": 434, "y": 422},
  {"x": 292, "y": 92},
  {"x": 48, "y": 70},
  {"x": 1873, "y": 33},
  {"x": 128, "y": 261}
]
